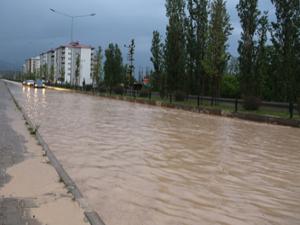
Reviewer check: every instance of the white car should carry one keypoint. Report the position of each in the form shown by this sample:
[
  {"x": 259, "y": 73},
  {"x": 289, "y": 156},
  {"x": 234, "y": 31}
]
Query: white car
[{"x": 28, "y": 82}]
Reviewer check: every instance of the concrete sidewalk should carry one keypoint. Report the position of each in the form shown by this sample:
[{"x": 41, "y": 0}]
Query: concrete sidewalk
[
  {"x": 11, "y": 152},
  {"x": 30, "y": 190}
]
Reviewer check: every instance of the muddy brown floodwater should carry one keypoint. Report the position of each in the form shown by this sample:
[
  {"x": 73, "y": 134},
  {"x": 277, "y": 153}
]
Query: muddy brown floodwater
[{"x": 144, "y": 165}]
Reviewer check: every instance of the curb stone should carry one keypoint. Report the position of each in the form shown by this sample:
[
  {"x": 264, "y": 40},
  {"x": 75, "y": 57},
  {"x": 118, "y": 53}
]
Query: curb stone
[{"x": 91, "y": 215}]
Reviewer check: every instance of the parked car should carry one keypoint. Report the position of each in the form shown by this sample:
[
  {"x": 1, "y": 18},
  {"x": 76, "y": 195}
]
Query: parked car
[
  {"x": 39, "y": 84},
  {"x": 28, "y": 82}
]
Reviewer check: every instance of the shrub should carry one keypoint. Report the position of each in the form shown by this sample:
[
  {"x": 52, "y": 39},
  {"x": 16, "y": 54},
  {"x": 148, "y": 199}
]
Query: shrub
[
  {"x": 67, "y": 85},
  {"x": 102, "y": 89},
  {"x": 88, "y": 87},
  {"x": 119, "y": 90},
  {"x": 251, "y": 103},
  {"x": 179, "y": 96},
  {"x": 144, "y": 93},
  {"x": 229, "y": 86}
]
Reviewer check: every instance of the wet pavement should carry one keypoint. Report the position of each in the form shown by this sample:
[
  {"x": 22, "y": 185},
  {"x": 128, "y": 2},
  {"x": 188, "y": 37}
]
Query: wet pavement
[{"x": 12, "y": 211}]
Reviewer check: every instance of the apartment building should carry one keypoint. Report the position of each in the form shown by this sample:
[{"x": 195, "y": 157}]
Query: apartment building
[
  {"x": 74, "y": 63},
  {"x": 71, "y": 63},
  {"x": 32, "y": 65}
]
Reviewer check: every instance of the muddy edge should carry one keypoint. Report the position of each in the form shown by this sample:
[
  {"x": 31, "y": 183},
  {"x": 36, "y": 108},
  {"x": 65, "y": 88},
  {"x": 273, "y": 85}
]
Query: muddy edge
[{"x": 91, "y": 215}]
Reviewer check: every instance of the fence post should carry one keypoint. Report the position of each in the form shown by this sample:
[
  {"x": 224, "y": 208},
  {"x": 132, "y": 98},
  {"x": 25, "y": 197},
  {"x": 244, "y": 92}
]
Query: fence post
[
  {"x": 291, "y": 109},
  {"x": 198, "y": 101},
  {"x": 171, "y": 98},
  {"x": 236, "y": 105}
]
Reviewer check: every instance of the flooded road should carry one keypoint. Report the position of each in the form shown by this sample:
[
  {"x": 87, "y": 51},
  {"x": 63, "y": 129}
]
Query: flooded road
[{"x": 144, "y": 165}]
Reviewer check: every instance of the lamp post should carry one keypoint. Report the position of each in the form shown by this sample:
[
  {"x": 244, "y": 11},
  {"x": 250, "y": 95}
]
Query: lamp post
[{"x": 72, "y": 19}]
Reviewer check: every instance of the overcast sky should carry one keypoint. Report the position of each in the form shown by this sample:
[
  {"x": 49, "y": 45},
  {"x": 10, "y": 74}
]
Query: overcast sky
[{"x": 28, "y": 27}]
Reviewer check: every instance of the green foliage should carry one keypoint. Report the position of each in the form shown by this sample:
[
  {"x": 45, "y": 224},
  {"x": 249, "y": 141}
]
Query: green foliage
[
  {"x": 230, "y": 86},
  {"x": 98, "y": 67},
  {"x": 175, "y": 45},
  {"x": 261, "y": 56},
  {"x": 44, "y": 71},
  {"x": 62, "y": 74},
  {"x": 217, "y": 57},
  {"x": 113, "y": 66},
  {"x": 248, "y": 13},
  {"x": 179, "y": 96},
  {"x": 131, "y": 67},
  {"x": 194, "y": 58},
  {"x": 196, "y": 29},
  {"x": 51, "y": 73},
  {"x": 286, "y": 38},
  {"x": 157, "y": 61},
  {"x": 77, "y": 70}
]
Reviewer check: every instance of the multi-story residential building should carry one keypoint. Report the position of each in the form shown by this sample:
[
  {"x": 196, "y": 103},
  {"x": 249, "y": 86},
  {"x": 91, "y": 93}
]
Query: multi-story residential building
[
  {"x": 32, "y": 65},
  {"x": 71, "y": 63},
  {"x": 74, "y": 64}
]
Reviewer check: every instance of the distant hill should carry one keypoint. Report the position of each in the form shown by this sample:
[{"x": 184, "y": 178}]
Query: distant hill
[{"x": 7, "y": 66}]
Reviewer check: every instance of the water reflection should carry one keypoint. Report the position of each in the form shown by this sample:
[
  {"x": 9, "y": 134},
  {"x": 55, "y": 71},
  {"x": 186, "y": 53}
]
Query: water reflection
[{"x": 138, "y": 164}]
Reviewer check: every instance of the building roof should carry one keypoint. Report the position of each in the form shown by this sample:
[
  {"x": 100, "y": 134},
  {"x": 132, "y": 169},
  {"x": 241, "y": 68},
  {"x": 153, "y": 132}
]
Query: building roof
[
  {"x": 75, "y": 45},
  {"x": 51, "y": 50}
]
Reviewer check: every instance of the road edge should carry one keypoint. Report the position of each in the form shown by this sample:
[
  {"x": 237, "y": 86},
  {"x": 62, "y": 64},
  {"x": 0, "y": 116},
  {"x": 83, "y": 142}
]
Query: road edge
[{"x": 91, "y": 215}]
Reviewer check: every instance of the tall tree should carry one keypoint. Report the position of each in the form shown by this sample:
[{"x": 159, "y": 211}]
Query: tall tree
[
  {"x": 197, "y": 42},
  {"x": 191, "y": 51},
  {"x": 249, "y": 16},
  {"x": 113, "y": 66},
  {"x": 217, "y": 56},
  {"x": 261, "y": 55},
  {"x": 62, "y": 74},
  {"x": 46, "y": 76},
  {"x": 286, "y": 38},
  {"x": 98, "y": 68},
  {"x": 52, "y": 73},
  {"x": 157, "y": 61},
  {"x": 77, "y": 70},
  {"x": 131, "y": 67},
  {"x": 175, "y": 45}
]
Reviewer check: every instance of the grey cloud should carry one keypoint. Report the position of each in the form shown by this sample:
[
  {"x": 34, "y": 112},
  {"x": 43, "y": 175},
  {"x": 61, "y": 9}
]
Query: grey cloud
[{"x": 28, "y": 27}]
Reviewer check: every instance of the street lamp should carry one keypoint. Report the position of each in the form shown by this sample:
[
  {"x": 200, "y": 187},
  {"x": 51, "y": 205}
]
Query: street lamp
[{"x": 72, "y": 19}]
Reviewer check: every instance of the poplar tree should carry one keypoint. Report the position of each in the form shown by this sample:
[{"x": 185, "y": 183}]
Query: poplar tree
[
  {"x": 157, "y": 61},
  {"x": 286, "y": 38},
  {"x": 98, "y": 67},
  {"x": 191, "y": 51},
  {"x": 62, "y": 74},
  {"x": 217, "y": 56},
  {"x": 175, "y": 45},
  {"x": 249, "y": 16},
  {"x": 52, "y": 73},
  {"x": 200, "y": 16},
  {"x": 77, "y": 70},
  {"x": 131, "y": 67},
  {"x": 113, "y": 66},
  {"x": 261, "y": 55}
]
